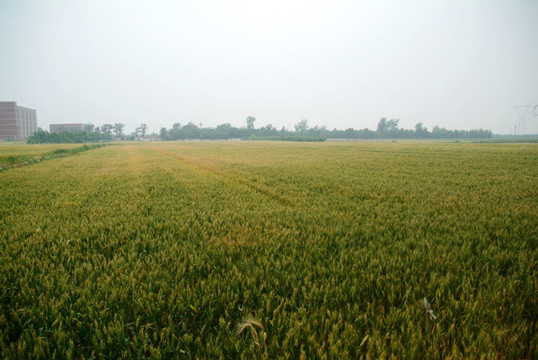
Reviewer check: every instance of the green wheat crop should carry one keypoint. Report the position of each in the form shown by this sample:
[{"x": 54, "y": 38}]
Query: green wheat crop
[{"x": 272, "y": 250}]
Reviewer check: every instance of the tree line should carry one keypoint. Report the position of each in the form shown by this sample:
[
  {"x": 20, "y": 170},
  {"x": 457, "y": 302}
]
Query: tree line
[
  {"x": 386, "y": 129},
  {"x": 90, "y": 133},
  {"x": 67, "y": 137}
]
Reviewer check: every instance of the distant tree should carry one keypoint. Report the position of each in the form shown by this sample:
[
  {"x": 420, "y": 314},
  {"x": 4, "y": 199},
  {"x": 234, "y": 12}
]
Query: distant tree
[
  {"x": 268, "y": 130},
  {"x": 439, "y": 133},
  {"x": 382, "y": 127},
  {"x": 224, "y": 131},
  {"x": 421, "y": 131},
  {"x": 250, "y": 122},
  {"x": 392, "y": 125},
  {"x": 41, "y": 136},
  {"x": 89, "y": 127},
  {"x": 107, "y": 129},
  {"x": 190, "y": 131},
  {"x": 386, "y": 128},
  {"x": 175, "y": 132},
  {"x": 118, "y": 129},
  {"x": 163, "y": 134},
  {"x": 301, "y": 126},
  {"x": 143, "y": 129}
]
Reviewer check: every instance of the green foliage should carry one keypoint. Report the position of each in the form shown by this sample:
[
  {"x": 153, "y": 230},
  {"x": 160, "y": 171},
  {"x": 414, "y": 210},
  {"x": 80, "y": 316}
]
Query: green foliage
[
  {"x": 293, "y": 250},
  {"x": 302, "y": 126},
  {"x": 250, "y": 122},
  {"x": 386, "y": 129},
  {"x": 44, "y": 137}
]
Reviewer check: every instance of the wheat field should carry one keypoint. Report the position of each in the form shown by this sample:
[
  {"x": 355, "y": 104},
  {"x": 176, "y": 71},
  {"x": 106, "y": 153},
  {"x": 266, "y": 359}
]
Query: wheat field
[{"x": 271, "y": 250}]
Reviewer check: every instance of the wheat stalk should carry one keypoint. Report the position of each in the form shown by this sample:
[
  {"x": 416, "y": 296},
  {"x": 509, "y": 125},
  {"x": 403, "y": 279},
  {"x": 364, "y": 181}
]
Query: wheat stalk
[
  {"x": 251, "y": 323},
  {"x": 428, "y": 310}
]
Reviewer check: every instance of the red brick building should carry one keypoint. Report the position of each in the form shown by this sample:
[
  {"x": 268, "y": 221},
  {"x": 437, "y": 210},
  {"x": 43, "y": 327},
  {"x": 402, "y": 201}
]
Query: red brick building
[
  {"x": 16, "y": 122},
  {"x": 56, "y": 128}
]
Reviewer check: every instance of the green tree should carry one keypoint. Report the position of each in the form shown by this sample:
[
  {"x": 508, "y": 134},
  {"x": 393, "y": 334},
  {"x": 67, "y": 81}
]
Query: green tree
[
  {"x": 163, "y": 134},
  {"x": 301, "y": 126},
  {"x": 175, "y": 132},
  {"x": 382, "y": 127},
  {"x": 250, "y": 122},
  {"x": 118, "y": 129},
  {"x": 143, "y": 129},
  {"x": 392, "y": 125},
  {"x": 421, "y": 131},
  {"x": 190, "y": 131},
  {"x": 107, "y": 129}
]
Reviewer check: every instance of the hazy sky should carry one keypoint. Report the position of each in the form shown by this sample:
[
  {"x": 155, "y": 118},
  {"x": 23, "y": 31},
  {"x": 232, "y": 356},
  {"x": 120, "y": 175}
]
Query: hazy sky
[{"x": 456, "y": 64}]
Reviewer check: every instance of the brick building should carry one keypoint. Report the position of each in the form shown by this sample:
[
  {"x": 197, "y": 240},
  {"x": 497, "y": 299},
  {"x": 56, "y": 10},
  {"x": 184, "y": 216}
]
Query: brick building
[
  {"x": 56, "y": 128},
  {"x": 16, "y": 122}
]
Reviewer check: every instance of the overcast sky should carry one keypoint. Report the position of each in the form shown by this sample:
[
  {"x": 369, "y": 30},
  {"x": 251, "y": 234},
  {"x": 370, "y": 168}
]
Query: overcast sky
[{"x": 455, "y": 64}]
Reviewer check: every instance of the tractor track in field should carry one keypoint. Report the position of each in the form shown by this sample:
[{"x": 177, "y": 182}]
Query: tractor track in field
[{"x": 202, "y": 165}]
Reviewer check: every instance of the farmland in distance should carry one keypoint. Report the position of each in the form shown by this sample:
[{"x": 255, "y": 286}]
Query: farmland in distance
[{"x": 314, "y": 250}]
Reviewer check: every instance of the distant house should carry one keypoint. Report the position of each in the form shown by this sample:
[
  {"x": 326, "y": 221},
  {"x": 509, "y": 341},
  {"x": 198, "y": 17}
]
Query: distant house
[
  {"x": 16, "y": 122},
  {"x": 56, "y": 128}
]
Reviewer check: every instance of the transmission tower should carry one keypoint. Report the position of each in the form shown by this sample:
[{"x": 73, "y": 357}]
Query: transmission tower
[{"x": 521, "y": 113}]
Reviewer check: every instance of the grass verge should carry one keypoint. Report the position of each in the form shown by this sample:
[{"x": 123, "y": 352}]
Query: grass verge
[{"x": 14, "y": 161}]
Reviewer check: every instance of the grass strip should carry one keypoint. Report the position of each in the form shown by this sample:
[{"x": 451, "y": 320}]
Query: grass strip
[{"x": 15, "y": 161}]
